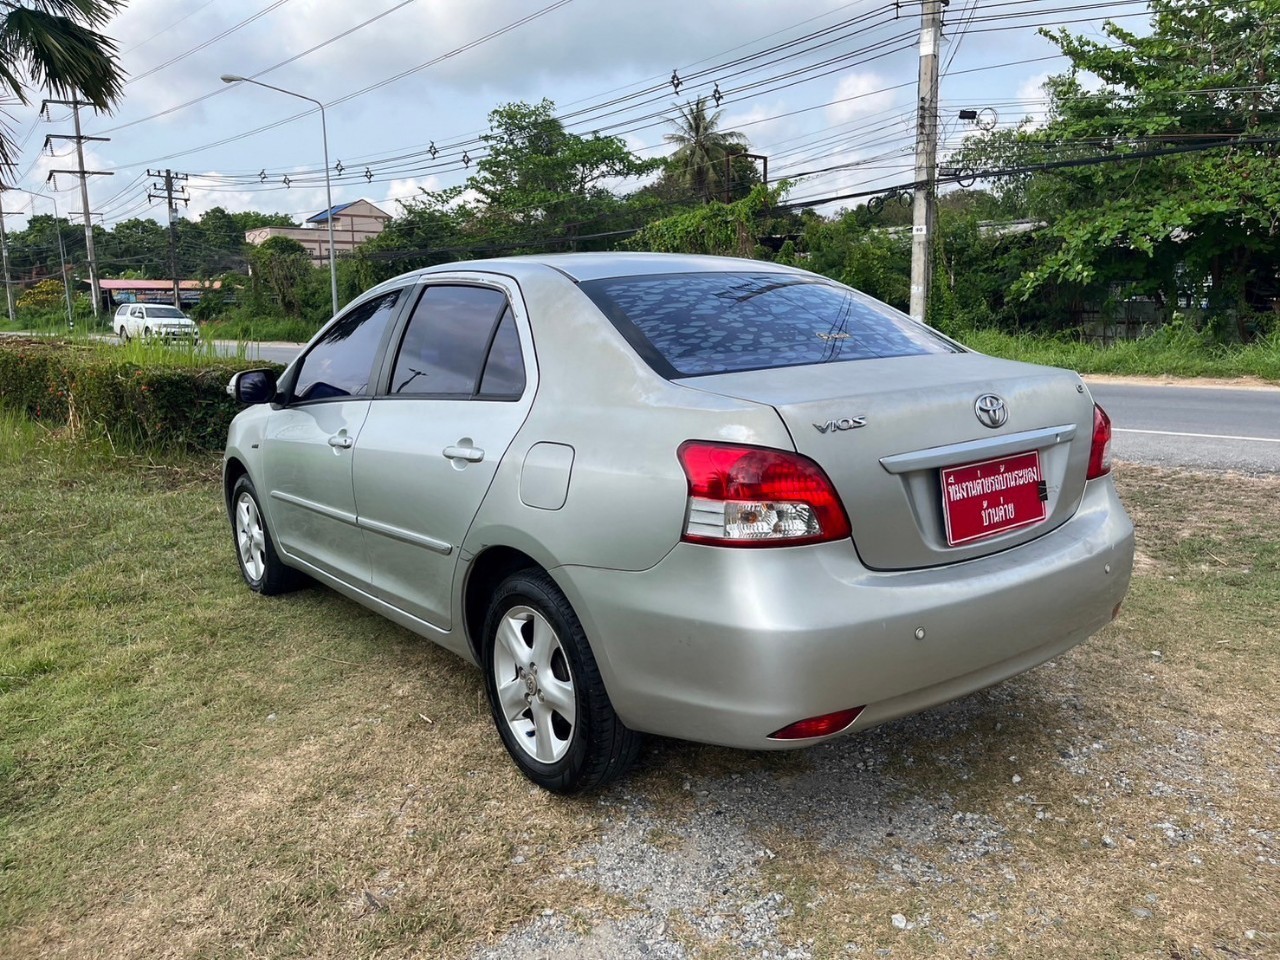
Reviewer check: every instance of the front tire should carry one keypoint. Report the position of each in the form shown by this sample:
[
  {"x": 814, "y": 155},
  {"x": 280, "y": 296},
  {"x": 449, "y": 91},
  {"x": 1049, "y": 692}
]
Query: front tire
[
  {"x": 548, "y": 699},
  {"x": 260, "y": 565}
]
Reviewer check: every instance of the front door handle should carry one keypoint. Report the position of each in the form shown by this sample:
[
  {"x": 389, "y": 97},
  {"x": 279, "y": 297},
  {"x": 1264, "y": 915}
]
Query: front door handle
[
  {"x": 468, "y": 453},
  {"x": 341, "y": 440}
]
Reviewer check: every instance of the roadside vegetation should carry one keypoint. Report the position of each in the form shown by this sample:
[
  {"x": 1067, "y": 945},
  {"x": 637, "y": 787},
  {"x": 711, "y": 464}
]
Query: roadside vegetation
[
  {"x": 187, "y": 769},
  {"x": 1130, "y": 229}
]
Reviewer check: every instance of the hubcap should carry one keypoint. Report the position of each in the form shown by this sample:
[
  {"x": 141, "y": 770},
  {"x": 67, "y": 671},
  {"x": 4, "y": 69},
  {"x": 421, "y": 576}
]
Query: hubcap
[
  {"x": 534, "y": 683},
  {"x": 249, "y": 537}
]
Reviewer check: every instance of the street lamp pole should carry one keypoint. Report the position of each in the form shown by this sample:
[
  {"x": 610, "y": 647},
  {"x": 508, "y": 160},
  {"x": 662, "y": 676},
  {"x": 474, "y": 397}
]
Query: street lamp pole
[
  {"x": 328, "y": 193},
  {"x": 62, "y": 250}
]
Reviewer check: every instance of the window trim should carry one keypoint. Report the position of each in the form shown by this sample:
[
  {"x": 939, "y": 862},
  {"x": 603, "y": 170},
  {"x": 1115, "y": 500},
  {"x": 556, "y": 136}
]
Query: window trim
[
  {"x": 295, "y": 369},
  {"x": 392, "y": 352}
]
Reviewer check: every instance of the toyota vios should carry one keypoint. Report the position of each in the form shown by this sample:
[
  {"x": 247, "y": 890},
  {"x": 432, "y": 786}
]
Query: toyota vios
[{"x": 706, "y": 498}]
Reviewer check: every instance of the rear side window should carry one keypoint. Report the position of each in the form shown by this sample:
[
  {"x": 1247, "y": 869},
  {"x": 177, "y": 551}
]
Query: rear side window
[
  {"x": 690, "y": 324},
  {"x": 340, "y": 362},
  {"x": 461, "y": 341}
]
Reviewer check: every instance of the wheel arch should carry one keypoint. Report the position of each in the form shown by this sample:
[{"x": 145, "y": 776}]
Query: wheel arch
[
  {"x": 232, "y": 470},
  {"x": 489, "y": 568}
]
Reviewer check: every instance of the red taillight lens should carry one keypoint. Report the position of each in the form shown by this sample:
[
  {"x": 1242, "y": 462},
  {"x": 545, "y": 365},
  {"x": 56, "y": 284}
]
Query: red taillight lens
[
  {"x": 1100, "y": 452},
  {"x": 756, "y": 497},
  {"x": 822, "y": 726}
]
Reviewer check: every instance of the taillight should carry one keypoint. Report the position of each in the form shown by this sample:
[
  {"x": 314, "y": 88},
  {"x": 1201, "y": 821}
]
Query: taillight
[
  {"x": 757, "y": 497},
  {"x": 1100, "y": 451}
]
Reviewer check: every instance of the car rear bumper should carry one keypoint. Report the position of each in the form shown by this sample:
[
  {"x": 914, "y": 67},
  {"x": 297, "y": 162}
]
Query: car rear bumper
[{"x": 728, "y": 646}]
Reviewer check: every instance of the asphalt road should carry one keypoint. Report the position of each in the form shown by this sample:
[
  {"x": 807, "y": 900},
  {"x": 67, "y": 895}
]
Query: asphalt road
[{"x": 1201, "y": 427}]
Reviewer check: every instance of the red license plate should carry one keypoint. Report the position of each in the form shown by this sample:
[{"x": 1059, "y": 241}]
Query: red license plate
[{"x": 995, "y": 496}]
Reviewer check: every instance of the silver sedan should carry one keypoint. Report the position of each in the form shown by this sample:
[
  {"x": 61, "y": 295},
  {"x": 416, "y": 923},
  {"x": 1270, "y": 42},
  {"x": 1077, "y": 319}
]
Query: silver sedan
[{"x": 713, "y": 499}]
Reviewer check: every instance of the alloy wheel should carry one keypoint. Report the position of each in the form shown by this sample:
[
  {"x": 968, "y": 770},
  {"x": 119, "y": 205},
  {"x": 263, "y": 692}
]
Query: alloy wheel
[
  {"x": 250, "y": 538},
  {"x": 534, "y": 684}
]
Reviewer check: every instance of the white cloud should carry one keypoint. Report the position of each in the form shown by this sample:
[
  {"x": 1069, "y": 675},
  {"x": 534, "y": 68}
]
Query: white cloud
[{"x": 859, "y": 95}]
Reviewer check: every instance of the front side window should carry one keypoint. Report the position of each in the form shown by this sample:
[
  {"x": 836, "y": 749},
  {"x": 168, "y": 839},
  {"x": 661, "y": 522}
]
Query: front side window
[
  {"x": 340, "y": 363},
  {"x": 448, "y": 341},
  {"x": 689, "y": 324}
]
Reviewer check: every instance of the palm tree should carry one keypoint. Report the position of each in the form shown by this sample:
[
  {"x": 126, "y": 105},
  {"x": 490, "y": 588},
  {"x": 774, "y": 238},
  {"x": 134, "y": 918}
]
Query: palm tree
[
  {"x": 54, "y": 44},
  {"x": 701, "y": 148}
]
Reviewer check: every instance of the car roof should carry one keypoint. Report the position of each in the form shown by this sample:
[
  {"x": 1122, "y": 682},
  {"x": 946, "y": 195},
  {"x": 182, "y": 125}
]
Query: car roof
[{"x": 597, "y": 266}]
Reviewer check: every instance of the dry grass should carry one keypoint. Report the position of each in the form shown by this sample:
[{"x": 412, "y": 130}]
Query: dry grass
[
  {"x": 1145, "y": 819},
  {"x": 187, "y": 770}
]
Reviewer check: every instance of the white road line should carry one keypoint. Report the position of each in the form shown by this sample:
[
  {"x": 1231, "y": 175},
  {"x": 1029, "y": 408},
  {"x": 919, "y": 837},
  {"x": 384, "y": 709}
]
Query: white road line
[{"x": 1203, "y": 436}]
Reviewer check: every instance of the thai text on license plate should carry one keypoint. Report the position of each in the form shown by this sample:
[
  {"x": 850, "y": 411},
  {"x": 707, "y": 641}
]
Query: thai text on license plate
[{"x": 995, "y": 496}]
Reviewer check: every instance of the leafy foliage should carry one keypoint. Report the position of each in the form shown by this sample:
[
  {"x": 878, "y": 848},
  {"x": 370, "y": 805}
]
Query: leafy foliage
[
  {"x": 698, "y": 164},
  {"x": 159, "y": 404},
  {"x": 45, "y": 295},
  {"x": 54, "y": 45},
  {"x": 1184, "y": 225}
]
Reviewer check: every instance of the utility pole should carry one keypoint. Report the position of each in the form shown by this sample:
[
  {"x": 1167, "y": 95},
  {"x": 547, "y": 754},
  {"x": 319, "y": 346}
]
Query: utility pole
[
  {"x": 84, "y": 176},
  {"x": 4, "y": 255},
  {"x": 926, "y": 160},
  {"x": 170, "y": 178}
]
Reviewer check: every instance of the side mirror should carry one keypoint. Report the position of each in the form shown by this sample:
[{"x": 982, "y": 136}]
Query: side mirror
[{"x": 253, "y": 386}]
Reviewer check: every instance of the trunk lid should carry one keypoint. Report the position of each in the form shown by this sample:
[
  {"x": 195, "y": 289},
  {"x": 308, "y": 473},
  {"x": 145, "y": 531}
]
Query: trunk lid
[{"x": 887, "y": 432}]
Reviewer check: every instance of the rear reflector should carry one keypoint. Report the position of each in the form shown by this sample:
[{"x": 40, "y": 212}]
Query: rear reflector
[
  {"x": 1100, "y": 451},
  {"x": 758, "y": 497},
  {"x": 823, "y": 726}
]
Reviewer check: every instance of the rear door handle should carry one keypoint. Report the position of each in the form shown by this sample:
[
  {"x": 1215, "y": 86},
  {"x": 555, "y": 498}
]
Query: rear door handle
[
  {"x": 340, "y": 440},
  {"x": 469, "y": 454}
]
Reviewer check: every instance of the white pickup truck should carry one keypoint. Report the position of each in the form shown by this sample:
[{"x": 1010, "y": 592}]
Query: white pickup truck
[{"x": 148, "y": 320}]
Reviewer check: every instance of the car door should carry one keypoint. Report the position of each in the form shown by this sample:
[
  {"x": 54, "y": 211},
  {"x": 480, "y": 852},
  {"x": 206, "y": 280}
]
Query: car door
[
  {"x": 136, "y": 321},
  {"x": 307, "y": 445},
  {"x": 458, "y": 389}
]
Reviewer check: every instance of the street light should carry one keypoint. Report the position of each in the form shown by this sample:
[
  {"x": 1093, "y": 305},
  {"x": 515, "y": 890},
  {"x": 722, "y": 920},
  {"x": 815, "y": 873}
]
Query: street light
[
  {"x": 328, "y": 194},
  {"x": 62, "y": 251}
]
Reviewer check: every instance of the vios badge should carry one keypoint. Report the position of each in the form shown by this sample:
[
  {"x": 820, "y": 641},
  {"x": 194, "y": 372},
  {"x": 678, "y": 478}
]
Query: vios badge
[{"x": 991, "y": 410}]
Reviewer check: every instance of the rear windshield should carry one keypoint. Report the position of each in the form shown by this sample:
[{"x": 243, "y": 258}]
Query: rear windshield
[
  {"x": 688, "y": 324},
  {"x": 165, "y": 312}
]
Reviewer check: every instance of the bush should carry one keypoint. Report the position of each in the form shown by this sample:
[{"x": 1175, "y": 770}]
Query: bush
[{"x": 92, "y": 390}]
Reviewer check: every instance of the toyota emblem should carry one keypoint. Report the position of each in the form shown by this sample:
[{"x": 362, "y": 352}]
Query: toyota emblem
[{"x": 991, "y": 410}]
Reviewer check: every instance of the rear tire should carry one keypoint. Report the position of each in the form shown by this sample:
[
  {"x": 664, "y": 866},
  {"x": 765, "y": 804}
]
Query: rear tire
[
  {"x": 260, "y": 565},
  {"x": 548, "y": 699},
  {"x": 123, "y": 335}
]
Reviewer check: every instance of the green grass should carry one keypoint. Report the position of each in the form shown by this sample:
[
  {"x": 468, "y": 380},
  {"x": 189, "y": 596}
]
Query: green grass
[
  {"x": 1167, "y": 353},
  {"x": 187, "y": 769},
  {"x": 259, "y": 329}
]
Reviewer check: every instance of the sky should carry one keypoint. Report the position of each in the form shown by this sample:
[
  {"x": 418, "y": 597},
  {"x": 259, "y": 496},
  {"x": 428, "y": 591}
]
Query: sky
[{"x": 826, "y": 89}]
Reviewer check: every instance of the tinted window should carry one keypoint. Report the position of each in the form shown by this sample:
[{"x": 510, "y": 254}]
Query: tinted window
[
  {"x": 446, "y": 341},
  {"x": 504, "y": 370},
  {"x": 700, "y": 323},
  {"x": 170, "y": 312},
  {"x": 339, "y": 363}
]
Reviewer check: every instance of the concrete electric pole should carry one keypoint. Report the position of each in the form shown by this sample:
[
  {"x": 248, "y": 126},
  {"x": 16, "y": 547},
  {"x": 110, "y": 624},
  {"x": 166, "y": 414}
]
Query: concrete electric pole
[
  {"x": 169, "y": 178},
  {"x": 84, "y": 176},
  {"x": 926, "y": 160}
]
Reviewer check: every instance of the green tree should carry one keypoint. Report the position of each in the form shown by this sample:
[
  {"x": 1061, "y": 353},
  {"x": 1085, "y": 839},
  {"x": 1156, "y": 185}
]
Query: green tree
[
  {"x": 430, "y": 229},
  {"x": 1200, "y": 224},
  {"x": 541, "y": 182},
  {"x": 138, "y": 245},
  {"x": 725, "y": 229},
  {"x": 701, "y": 149},
  {"x": 55, "y": 45},
  {"x": 281, "y": 271}
]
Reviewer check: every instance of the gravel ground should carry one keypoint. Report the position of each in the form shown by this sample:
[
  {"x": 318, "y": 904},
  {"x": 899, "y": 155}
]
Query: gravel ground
[{"x": 924, "y": 814}]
